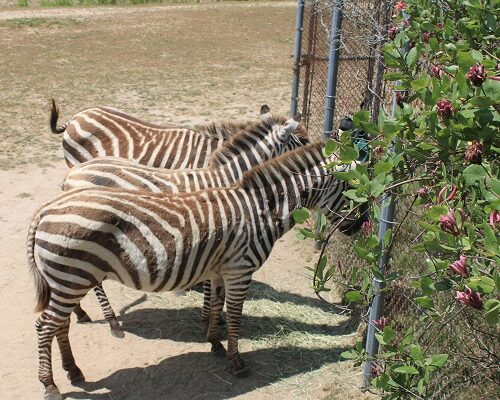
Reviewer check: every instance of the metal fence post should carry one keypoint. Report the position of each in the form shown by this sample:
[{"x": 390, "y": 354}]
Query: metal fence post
[
  {"x": 377, "y": 306},
  {"x": 333, "y": 68},
  {"x": 299, "y": 23},
  {"x": 331, "y": 84}
]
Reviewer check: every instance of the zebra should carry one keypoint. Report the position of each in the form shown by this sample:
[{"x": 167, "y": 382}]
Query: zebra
[
  {"x": 227, "y": 165},
  {"x": 105, "y": 131},
  {"x": 159, "y": 242}
]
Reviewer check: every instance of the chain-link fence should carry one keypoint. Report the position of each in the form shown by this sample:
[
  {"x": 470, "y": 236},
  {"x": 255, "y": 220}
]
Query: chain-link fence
[{"x": 359, "y": 79}]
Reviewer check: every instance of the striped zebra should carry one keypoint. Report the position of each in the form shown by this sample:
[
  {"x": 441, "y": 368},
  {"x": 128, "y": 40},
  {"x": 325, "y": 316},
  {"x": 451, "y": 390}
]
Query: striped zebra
[
  {"x": 244, "y": 150},
  {"x": 158, "y": 242},
  {"x": 104, "y": 131}
]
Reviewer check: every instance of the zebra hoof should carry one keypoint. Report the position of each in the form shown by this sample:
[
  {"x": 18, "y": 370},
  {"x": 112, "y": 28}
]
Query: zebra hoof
[
  {"x": 118, "y": 333},
  {"x": 218, "y": 350},
  {"x": 53, "y": 396},
  {"x": 242, "y": 372},
  {"x": 84, "y": 319},
  {"x": 76, "y": 377}
]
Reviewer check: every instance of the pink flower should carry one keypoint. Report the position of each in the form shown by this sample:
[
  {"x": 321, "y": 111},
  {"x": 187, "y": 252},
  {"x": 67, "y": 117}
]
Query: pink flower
[
  {"x": 400, "y": 5},
  {"x": 476, "y": 75},
  {"x": 470, "y": 298},
  {"x": 495, "y": 219},
  {"x": 426, "y": 36},
  {"x": 392, "y": 32},
  {"x": 444, "y": 191},
  {"x": 474, "y": 152},
  {"x": 378, "y": 151},
  {"x": 440, "y": 25},
  {"x": 459, "y": 267},
  {"x": 380, "y": 323},
  {"x": 445, "y": 108},
  {"x": 423, "y": 191},
  {"x": 448, "y": 223},
  {"x": 436, "y": 71},
  {"x": 375, "y": 370},
  {"x": 366, "y": 228}
]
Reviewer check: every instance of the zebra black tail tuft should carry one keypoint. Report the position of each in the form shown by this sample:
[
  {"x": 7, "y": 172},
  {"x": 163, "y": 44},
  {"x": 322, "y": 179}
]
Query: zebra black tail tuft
[
  {"x": 42, "y": 286},
  {"x": 54, "y": 116}
]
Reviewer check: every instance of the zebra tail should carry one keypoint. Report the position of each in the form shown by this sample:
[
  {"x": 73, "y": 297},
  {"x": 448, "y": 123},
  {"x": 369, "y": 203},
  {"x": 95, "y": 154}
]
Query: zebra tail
[
  {"x": 42, "y": 286},
  {"x": 54, "y": 116}
]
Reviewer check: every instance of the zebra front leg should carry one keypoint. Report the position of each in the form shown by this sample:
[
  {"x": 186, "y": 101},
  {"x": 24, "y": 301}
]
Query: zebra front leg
[
  {"x": 68, "y": 361},
  {"x": 236, "y": 290},
  {"x": 108, "y": 312},
  {"x": 216, "y": 305}
]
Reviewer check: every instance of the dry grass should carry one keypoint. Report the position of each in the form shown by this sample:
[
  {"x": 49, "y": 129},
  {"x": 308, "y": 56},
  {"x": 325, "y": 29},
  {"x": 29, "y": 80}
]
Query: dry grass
[{"x": 187, "y": 67}]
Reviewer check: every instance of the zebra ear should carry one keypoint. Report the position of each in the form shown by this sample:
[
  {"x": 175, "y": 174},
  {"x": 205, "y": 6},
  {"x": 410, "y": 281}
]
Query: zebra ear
[
  {"x": 292, "y": 124},
  {"x": 265, "y": 113}
]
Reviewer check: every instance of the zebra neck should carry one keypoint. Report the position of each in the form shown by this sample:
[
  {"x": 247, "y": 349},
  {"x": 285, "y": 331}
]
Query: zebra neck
[{"x": 279, "y": 198}]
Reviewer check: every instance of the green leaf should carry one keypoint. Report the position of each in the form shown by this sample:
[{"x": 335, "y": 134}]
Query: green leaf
[
  {"x": 321, "y": 267},
  {"x": 473, "y": 173},
  {"x": 492, "y": 90},
  {"x": 394, "y": 76},
  {"x": 349, "y": 354},
  {"x": 419, "y": 84},
  {"x": 416, "y": 353},
  {"x": 345, "y": 175},
  {"x": 406, "y": 369},
  {"x": 411, "y": 57},
  {"x": 492, "y": 307},
  {"x": 330, "y": 147},
  {"x": 306, "y": 233},
  {"x": 300, "y": 215},
  {"x": 354, "y": 296},
  {"x": 435, "y": 212},
  {"x": 425, "y": 301},
  {"x": 465, "y": 61},
  {"x": 348, "y": 154},
  {"x": 360, "y": 116},
  {"x": 437, "y": 360},
  {"x": 383, "y": 167}
]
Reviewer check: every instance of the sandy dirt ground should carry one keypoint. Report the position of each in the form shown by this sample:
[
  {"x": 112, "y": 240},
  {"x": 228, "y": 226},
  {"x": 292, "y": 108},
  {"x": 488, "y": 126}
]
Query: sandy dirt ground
[{"x": 291, "y": 340}]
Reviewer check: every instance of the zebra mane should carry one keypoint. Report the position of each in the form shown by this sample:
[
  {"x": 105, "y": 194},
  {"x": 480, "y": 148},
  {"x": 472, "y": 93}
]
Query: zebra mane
[
  {"x": 297, "y": 161},
  {"x": 253, "y": 132},
  {"x": 225, "y": 129}
]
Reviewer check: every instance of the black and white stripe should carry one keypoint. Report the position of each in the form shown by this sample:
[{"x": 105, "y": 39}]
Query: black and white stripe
[
  {"x": 244, "y": 150},
  {"x": 104, "y": 131},
  {"x": 159, "y": 242}
]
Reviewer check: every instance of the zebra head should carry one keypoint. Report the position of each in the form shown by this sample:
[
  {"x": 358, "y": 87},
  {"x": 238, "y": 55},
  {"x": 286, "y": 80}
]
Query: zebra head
[{"x": 284, "y": 134}]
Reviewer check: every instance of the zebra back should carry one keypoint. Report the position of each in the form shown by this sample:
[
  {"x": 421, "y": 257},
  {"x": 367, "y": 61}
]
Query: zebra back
[
  {"x": 104, "y": 131},
  {"x": 247, "y": 148}
]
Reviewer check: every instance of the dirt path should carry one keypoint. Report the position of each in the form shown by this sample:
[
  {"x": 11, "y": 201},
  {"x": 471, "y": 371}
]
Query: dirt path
[{"x": 179, "y": 65}]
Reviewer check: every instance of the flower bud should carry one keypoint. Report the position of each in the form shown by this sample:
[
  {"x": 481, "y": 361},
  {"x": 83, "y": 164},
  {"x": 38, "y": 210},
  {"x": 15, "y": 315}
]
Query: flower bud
[
  {"x": 459, "y": 267},
  {"x": 366, "y": 228},
  {"x": 380, "y": 323},
  {"x": 426, "y": 36},
  {"x": 375, "y": 370},
  {"x": 436, "y": 71},
  {"x": 476, "y": 75},
  {"x": 495, "y": 219},
  {"x": 423, "y": 191},
  {"x": 400, "y": 6},
  {"x": 470, "y": 298},
  {"x": 378, "y": 151},
  {"x": 392, "y": 32},
  {"x": 448, "y": 223},
  {"x": 474, "y": 152},
  {"x": 445, "y": 108}
]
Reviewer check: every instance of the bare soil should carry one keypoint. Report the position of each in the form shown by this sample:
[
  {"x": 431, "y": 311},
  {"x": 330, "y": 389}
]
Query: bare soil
[{"x": 179, "y": 65}]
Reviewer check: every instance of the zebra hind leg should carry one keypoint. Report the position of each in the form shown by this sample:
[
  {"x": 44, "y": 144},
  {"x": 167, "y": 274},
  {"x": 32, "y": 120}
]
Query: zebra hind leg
[
  {"x": 68, "y": 361},
  {"x": 81, "y": 315},
  {"x": 236, "y": 290},
  {"x": 108, "y": 312},
  {"x": 216, "y": 305},
  {"x": 205, "y": 312}
]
